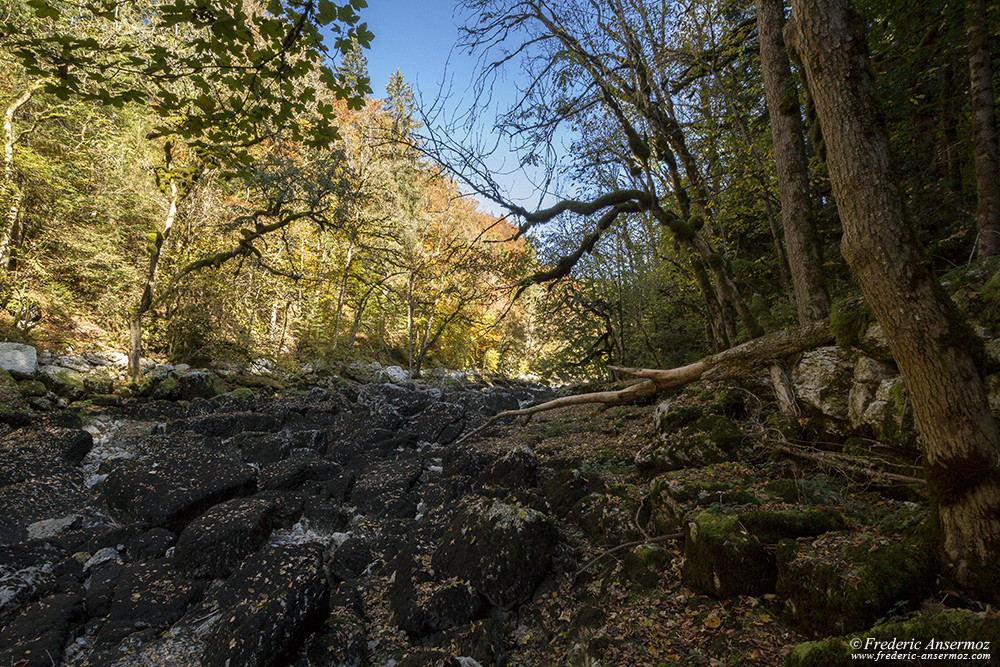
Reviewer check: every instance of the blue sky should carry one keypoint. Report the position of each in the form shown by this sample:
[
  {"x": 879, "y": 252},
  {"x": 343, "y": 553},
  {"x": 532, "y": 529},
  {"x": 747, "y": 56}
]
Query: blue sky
[{"x": 418, "y": 37}]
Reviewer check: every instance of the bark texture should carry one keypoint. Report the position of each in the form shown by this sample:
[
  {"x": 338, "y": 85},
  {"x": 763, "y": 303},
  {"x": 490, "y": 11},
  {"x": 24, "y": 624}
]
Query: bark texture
[
  {"x": 984, "y": 130},
  {"x": 805, "y": 256},
  {"x": 928, "y": 336}
]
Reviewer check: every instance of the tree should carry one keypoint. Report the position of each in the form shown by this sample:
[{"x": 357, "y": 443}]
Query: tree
[
  {"x": 805, "y": 256},
  {"x": 984, "y": 128},
  {"x": 929, "y": 338}
]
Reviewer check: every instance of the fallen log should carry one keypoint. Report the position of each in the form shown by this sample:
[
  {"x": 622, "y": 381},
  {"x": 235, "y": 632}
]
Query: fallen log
[{"x": 735, "y": 362}]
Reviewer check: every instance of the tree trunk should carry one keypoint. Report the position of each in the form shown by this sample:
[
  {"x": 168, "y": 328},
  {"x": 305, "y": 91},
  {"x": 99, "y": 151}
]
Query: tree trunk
[
  {"x": 343, "y": 293},
  {"x": 11, "y": 193},
  {"x": 804, "y": 253},
  {"x": 984, "y": 130},
  {"x": 146, "y": 302},
  {"x": 927, "y": 335}
]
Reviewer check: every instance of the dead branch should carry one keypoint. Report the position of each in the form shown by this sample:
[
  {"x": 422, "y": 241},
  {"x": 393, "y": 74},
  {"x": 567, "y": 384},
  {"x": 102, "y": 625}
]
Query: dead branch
[
  {"x": 734, "y": 362},
  {"x": 845, "y": 462}
]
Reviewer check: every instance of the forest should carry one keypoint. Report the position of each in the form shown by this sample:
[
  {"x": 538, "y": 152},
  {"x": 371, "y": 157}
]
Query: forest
[{"x": 722, "y": 186}]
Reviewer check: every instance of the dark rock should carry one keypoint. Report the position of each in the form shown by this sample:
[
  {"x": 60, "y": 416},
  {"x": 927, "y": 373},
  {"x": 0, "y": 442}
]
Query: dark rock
[
  {"x": 564, "y": 489},
  {"x": 296, "y": 471},
  {"x": 27, "y": 572},
  {"x": 605, "y": 519},
  {"x": 101, "y": 588},
  {"x": 450, "y": 605},
  {"x": 215, "y": 543},
  {"x": 438, "y": 422},
  {"x": 343, "y": 639},
  {"x": 504, "y": 551},
  {"x": 351, "y": 559},
  {"x": 150, "y": 545},
  {"x": 326, "y": 515},
  {"x": 518, "y": 469},
  {"x": 709, "y": 439},
  {"x": 172, "y": 488},
  {"x": 38, "y": 636},
  {"x": 269, "y": 605},
  {"x": 148, "y": 595},
  {"x": 482, "y": 641},
  {"x": 228, "y": 423},
  {"x": 73, "y": 445},
  {"x": 288, "y": 506},
  {"x": 387, "y": 398},
  {"x": 384, "y": 489},
  {"x": 263, "y": 448},
  {"x": 408, "y": 577}
]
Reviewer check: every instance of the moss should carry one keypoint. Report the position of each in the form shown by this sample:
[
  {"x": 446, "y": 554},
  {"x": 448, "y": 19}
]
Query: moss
[
  {"x": 721, "y": 431},
  {"x": 30, "y": 388},
  {"x": 849, "y": 319},
  {"x": 771, "y": 526},
  {"x": 957, "y": 625},
  {"x": 786, "y": 490},
  {"x": 832, "y": 653},
  {"x": 842, "y": 583},
  {"x": 671, "y": 420}
]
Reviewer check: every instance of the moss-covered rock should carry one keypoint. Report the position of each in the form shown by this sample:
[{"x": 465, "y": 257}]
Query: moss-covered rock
[
  {"x": 842, "y": 582},
  {"x": 669, "y": 418},
  {"x": 709, "y": 439},
  {"x": 32, "y": 388},
  {"x": 64, "y": 382},
  {"x": 723, "y": 559},
  {"x": 947, "y": 626},
  {"x": 672, "y": 497},
  {"x": 771, "y": 525}
]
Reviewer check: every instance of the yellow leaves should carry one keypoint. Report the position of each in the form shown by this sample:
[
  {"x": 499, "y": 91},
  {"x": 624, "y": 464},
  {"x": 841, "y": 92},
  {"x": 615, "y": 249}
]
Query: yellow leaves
[{"x": 712, "y": 620}]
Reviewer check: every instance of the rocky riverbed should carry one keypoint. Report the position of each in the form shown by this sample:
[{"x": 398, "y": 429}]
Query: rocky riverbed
[{"x": 342, "y": 524}]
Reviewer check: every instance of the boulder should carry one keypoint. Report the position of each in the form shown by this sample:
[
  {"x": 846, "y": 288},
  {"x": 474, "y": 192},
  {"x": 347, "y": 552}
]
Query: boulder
[
  {"x": 19, "y": 360},
  {"x": 723, "y": 559},
  {"x": 215, "y": 543},
  {"x": 673, "y": 495},
  {"x": 605, "y": 519},
  {"x": 171, "y": 488},
  {"x": 276, "y": 599},
  {"x": 147, "y": 595},
  {"x": 516, "y": 470},
  {"x": 840, "y": 582},
  {"x": 503, "y": 550},
  {"x": 38, "y": 636},
  {"x": 705, "y": 440},
  {"x": 822, "y": 379},
  {"x": 439, "y": 423},
  {"x": 385, "y": 488},
  {"x": 64, "y": 382}
]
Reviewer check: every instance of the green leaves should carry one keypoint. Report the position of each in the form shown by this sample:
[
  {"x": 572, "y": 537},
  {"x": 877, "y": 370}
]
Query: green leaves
[{"x": 213, "y": 73}]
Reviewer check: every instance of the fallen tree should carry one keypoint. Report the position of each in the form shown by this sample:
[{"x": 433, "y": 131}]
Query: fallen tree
[{"x": 735, "y": 362}]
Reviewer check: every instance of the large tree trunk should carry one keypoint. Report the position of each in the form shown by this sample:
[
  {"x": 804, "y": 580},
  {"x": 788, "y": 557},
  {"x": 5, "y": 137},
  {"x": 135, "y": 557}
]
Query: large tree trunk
[
  {"x": 928, "y": 336},
  {"x": 805, "y": 256},
  {"x": 984, "y": 130}
]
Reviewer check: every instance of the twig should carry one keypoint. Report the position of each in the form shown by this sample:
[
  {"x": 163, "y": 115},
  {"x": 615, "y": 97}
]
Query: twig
[{"x": 620, "y": 547}]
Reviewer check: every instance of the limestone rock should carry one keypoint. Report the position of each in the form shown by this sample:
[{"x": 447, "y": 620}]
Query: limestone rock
[
  {"x": 19, "y": 360},
  {"x": 823, "y": 379}
]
